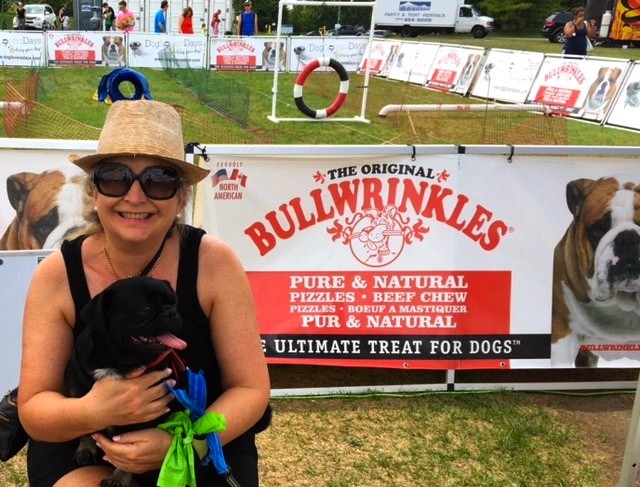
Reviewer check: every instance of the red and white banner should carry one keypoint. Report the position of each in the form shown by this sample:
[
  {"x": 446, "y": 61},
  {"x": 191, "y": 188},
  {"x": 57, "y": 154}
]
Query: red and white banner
[
  {"x": 381, "y": 58},
  {"x": 584, "y": 88},
  {"x": 69, "y": 48},
  {"x": 393, "y": 262},
  {"x": 454, "y": 68}
]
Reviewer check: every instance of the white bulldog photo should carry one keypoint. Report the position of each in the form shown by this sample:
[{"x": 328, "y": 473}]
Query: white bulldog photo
[{"x": 596, "y": 275}]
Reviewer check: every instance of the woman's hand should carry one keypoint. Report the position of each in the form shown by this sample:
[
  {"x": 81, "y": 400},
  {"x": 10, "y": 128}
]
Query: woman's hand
[
  {"x": 136, "y": 451},
  {"x": 138, "y": 398}
]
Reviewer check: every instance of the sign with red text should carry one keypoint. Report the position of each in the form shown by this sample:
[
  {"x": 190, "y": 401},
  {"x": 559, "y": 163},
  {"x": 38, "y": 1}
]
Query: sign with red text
[
  {"x": 454, "y": 68},
  {"x": 409, "y": 263},
  {"x": 582, "y": 88},
  {"x": 69, "y": 48}
]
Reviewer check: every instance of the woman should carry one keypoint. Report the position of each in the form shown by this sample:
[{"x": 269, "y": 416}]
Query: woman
[
  {"x": 140, "y": 184},
  {"x": 248, "y": 21},
  {"x": 125, "y": 20},
  {"x": 185, "y": 24},
  {"x": 21, "y": 15},
  {"x": 576, "y": 33}
]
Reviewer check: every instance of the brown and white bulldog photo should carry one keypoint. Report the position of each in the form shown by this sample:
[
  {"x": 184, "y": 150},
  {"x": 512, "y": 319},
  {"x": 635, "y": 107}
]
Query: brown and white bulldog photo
[
  {"x": 596, "y": 275},
  {"x": 48, "y": 207},
  {"x": 269, "y": 56}
]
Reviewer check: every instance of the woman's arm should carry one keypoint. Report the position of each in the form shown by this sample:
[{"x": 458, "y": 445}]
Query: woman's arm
[
  {"x": 569, "y": 29},
  {"x": 180, "y": 24},
  {"x": 225, "y": 295},
  {"x": 47, "y": 342}
]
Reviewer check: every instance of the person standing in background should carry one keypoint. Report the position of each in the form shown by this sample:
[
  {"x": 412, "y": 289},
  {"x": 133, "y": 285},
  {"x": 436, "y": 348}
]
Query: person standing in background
[
  {"x": 20, "y": 14},
  {"x": 125, "y": 21},
  {"x": 248, "y": 21},
  {"x": 186, "y": 21},
  {"x": 62, "y": 13},
  {"x": 108, "y": 15},
  {"x": 160, "y": 21},
  {"x": 577, "y": 31},
  {"x": 215, "y": 23}
]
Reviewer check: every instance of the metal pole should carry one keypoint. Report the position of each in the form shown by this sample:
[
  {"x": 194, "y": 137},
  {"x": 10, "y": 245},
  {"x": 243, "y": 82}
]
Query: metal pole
[{"x": 629, "y": 471}]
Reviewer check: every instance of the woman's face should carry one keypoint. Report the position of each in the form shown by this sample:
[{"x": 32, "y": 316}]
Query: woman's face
[{"x": 135, "y": 216}]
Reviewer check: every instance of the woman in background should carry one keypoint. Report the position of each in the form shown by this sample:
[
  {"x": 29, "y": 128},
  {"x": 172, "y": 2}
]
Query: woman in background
[
  {"x": 185, "y": 25},
  {"x": 577, "y": 33}
]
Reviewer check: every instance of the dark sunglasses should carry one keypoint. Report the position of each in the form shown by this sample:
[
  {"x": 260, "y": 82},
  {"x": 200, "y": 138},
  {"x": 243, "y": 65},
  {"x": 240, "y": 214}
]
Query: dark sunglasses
[{"x": 157, "y": 182}]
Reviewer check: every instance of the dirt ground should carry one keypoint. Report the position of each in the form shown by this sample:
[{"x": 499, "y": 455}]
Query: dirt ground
[{"x": 603, "y": 414}]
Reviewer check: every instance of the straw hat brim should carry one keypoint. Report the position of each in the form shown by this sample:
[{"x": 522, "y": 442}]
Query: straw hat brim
[{"x": 191, "y": 173}]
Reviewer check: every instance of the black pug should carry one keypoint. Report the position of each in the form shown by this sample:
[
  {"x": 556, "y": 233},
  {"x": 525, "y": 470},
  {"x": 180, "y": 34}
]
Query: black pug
[{"x": 129, "y": 325}]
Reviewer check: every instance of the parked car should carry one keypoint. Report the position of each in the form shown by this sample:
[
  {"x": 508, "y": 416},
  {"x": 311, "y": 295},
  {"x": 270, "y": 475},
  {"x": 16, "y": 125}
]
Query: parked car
[
  {"x": 553, "y": 28},
  {"x": 378, "y": 33},
  {"x": 347, "y": 30},
  {"x": 39, "y": 16}
]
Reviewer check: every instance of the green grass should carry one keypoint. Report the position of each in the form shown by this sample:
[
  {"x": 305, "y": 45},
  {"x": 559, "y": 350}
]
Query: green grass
[
  {"x": 444, "y": 440},
  {"x": 320, "y": 90}
]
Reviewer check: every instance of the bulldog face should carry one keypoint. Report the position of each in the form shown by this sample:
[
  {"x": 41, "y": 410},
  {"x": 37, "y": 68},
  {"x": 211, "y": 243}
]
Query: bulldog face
[
  {"x": 113, "y": 49},
  {"x": 48, "y": 207},
  {"x": 632, "y": 98},
  {"x": 613, "y": 233},
  {"x": 603, "y": 88}
]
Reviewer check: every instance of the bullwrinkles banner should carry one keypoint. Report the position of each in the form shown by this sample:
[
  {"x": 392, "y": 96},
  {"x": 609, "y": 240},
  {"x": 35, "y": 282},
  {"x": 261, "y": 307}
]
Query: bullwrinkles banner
[{"x": 439, "y": 262}]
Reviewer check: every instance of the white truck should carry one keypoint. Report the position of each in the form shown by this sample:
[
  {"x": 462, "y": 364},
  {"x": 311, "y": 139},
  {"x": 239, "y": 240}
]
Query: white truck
[{"x": 412, "y": 17}]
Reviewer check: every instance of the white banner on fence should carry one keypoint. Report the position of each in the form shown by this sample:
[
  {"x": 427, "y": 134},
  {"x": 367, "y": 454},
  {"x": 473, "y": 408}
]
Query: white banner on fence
[
  {"x": 174, "y": 51},
  {"x": 247, "y": 53},
  {"x": 414, "y": 62},
  {"x": 626, "y": 110},
  {"x": 349, "y": 51},
  {"x": 22, "y": 48},
  {"x": 507, "y": 75}
]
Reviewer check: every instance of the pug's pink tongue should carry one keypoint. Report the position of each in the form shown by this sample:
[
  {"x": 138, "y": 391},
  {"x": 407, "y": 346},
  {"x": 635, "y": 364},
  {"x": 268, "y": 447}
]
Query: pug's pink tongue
[{"x": 172, "y": 341}]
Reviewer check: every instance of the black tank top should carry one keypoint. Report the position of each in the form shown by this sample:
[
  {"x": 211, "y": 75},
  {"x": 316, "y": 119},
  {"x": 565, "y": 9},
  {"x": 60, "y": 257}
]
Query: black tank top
[{"x": 199, "y": 354}]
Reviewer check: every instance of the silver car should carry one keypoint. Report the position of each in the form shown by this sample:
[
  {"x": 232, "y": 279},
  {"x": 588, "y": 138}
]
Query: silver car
[{"x": 39, "y": 16}]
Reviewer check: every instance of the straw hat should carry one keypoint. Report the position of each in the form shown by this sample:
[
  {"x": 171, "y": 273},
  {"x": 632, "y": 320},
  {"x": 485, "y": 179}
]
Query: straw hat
[{"x": 142, "y": 127}]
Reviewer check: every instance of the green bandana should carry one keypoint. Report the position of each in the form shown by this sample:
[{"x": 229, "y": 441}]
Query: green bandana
[{"x": 178, "y": 468}]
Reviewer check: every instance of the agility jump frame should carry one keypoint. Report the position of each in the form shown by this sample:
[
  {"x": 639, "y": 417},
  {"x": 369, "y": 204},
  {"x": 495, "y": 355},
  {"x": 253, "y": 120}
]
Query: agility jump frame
[{"x": 274, "y": 92}]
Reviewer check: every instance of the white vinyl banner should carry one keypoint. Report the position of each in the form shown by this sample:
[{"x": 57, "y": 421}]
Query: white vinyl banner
[
  {"x": 22, "y": 48},
  {"x": 454, "y": 68},
  {"x": 348, "y": 51},
  {"x": 175, "y": 51},
  {"x": 583, "y": 88},
  {"x": 414, "y": 62},
  {"x": 507, "y": 75},
  {"x": 445, "y": 261},
  {"x": 626, "y": 110}
]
